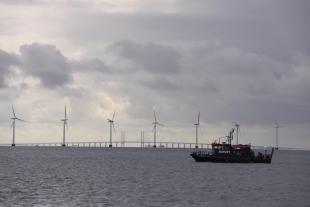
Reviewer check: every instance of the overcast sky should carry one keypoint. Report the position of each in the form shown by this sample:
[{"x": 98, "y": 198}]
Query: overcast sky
[{"x": 234, "y": 61}]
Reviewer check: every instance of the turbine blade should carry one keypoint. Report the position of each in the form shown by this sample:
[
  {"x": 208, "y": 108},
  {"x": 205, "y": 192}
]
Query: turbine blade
[
  {"x": 20, "y": 119},
  {"x": 113, "y": 116},
  {"x": 13, "y": 111},
  {"x": 67, "y": 126},
  {"x": 277, "y": 124},
  {"x": 198, "y": 117}
]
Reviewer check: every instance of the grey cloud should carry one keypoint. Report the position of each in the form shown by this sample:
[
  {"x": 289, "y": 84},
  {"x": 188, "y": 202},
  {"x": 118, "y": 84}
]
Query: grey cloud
[
  {"x": 91, "y": 65},
  {"x": 161, "y": 84},
  {"x": 227, "y": 84},
  {"x": 23, "y": 2},
  {"x": 150, "y": 57},
  {"x": 6, "y": 60},
  {"x": 47, "y": 63},
  {"x": 242, "y": 70},
  {"x": 274, "y": 28}
]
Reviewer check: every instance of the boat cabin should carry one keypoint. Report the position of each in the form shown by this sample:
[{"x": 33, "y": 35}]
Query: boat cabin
[{"x": 224, "y": 148}]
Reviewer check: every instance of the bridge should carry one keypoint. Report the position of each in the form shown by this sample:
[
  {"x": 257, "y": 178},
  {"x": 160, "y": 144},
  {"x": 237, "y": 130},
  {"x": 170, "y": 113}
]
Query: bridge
[
  {"x": 136, "y": 144},
  {"x": 126, "y": 144}
]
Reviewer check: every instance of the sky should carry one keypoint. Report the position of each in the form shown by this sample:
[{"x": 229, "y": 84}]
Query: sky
[{"x": 245, "y": 62}]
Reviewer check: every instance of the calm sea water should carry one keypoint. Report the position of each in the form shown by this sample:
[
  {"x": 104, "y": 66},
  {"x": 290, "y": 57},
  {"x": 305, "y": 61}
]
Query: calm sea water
[{"x": 39, "y": 176}]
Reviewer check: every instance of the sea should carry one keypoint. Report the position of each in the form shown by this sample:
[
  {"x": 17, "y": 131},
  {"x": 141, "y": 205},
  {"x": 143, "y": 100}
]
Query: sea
[{"x": 72, "y": 176}]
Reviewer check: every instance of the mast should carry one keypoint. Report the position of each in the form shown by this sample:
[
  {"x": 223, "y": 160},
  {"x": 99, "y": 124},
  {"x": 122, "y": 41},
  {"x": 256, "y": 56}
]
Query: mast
[{"x": 237, "y": 133}]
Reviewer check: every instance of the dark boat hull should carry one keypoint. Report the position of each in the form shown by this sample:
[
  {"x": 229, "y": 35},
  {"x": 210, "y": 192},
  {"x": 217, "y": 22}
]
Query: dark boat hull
[{"x": 199, "y": 157}]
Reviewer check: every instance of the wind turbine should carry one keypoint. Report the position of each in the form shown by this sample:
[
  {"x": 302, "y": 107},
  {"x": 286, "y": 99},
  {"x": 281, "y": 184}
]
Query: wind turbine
[
  {"x": 65, "y": 126},
  {"x": 111, "y": 121},
  {"x": 155, "y": 123},
  {"x": 197, "y": 125},
  {"x": 237, "y": 132},
  {"x": 14, "y": 118},
  {"x": 142, "y": 139},
  {"x": 277, "y": 135}
]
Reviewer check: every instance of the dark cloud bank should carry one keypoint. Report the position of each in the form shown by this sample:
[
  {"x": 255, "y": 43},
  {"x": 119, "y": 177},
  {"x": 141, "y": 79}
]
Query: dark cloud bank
[
  {"x": 225, "y": 83},
  {"x": 40, "y": 61}
]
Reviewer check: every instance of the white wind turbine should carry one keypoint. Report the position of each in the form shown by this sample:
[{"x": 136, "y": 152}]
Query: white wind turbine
[
  {"x": 155, "y": 123},
  {"x": 65, "y": 127},
  {"x": 277, "y": 134},
  {"x": 197, "y": 125},
  {"x": 111, "y": 121},
  {"x": 14, "y": 118}
]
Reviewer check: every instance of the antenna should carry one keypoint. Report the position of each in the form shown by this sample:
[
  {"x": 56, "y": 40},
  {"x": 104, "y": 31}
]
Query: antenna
[
  {"x": 111, "y": 121},
  {"x": 155, "y": 123},
  {"x": 230, "y": 135},
  {"x": 237, "y": 132},
  {"x": 65, "y": 127},
  {"x": 14, "y": 118},
  {"x": 197, "y": 125},
  {"x": 277, "y": 135}
]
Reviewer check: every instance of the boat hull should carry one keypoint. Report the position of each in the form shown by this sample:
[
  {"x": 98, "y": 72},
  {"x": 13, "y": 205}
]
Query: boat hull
[{"x": 199, "y": 157}]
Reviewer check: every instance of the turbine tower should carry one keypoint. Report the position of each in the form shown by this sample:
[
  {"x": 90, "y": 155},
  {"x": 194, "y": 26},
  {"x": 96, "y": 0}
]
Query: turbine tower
[
  {"x": 111, "y": 121},
  {"x": 277, "y": 135},
  {"x": 197, "y": 125},
  {"x": 65, "y": 127},
  {"x": 14, "y": 118},
  {"x": 237, "y": 132},
  {"x": 142, "y": 139},
  {"x": 155, "y": 123},
  {"x": 123, "y": 134}
]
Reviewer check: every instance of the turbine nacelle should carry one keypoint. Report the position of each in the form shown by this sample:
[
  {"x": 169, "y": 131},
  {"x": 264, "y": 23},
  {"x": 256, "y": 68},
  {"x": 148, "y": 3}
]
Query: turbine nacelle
[
  {"x": 157, "y": 123},
  {"x": 276, "y": 124},
  {"x": 198, "y": 119},
  {"x": 15, "y": 118}
]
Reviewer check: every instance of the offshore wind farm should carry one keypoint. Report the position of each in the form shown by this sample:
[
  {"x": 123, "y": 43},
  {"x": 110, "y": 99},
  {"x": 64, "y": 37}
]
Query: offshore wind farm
[
  {"x": 133, "y": 143},
  {"x": 135, "y": 103}
]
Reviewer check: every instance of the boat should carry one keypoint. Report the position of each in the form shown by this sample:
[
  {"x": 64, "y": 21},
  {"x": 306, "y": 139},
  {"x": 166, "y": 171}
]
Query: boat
[{"x": 228, "y": 153}]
